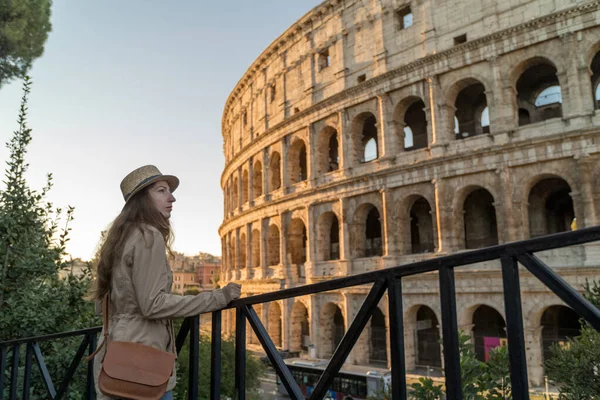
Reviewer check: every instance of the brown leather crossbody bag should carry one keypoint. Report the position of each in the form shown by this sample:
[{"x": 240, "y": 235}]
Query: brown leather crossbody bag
[{"x": 132, "y": 370}]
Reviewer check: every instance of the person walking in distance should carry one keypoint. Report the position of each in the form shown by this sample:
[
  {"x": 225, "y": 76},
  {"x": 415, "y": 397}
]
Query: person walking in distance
[{"x": 134, "y": 279}]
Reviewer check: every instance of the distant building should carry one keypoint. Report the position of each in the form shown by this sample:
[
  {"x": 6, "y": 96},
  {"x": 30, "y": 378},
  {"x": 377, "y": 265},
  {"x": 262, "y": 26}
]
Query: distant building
[{"x": 193, "y": 272}]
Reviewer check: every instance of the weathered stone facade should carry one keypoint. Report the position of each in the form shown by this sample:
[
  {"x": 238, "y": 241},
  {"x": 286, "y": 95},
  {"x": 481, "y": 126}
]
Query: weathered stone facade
[{"x": 373, "y": 134}]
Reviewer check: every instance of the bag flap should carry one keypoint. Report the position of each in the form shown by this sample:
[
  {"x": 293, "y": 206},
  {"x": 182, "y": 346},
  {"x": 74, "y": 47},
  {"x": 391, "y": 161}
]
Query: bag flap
[{"x": 138, "y": 363}]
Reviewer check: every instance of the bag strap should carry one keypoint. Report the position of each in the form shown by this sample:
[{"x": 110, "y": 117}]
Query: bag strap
[{"x": 105, "y": 319}]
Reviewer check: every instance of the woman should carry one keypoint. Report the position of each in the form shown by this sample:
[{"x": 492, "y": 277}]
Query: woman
[{"x": 133, "y": 269}]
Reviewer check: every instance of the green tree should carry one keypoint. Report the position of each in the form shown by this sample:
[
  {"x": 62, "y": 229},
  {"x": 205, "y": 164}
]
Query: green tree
[
  {"x": 576, "y": 367},
  {"x": 254, "y": 370},
  {"x": 33, "y": 299},
  {"x": 24, "y": 28}
]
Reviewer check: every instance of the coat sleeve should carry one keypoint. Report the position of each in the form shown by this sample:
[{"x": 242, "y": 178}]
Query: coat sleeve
[{"x": 150, "y": 276}]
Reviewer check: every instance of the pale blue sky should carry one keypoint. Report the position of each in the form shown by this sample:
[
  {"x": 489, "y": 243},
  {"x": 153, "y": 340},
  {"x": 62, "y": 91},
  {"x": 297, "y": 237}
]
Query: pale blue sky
[{"x": 127, "y": 83}]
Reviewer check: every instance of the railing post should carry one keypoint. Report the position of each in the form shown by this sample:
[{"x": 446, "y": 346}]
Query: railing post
[
  {"x": 450, "y": 332},
  {"x": 27, "y": 372},
  {"x": 14, "y": 373},
  {"x": 2, "y": 369},
  {"x": 514, "y": 328},
  {"x": 397, "y": 339},
  {"x": 215, "y": 359},
  {"x": 90, "y": 387},
  {"x": 240, "y": 353},
  {"x": 193, "y": 362}
]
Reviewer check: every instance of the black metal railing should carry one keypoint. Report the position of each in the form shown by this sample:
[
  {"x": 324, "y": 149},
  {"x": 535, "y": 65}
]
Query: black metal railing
[{"x": 382, "y": 281}]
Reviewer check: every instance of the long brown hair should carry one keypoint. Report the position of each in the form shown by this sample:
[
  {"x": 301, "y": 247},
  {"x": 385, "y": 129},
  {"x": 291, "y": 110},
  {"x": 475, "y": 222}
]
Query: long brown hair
[{"x": 137, "y": 211}]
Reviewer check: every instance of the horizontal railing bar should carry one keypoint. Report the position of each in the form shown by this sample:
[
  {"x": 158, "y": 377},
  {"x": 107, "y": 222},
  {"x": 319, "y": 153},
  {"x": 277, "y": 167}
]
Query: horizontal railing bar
[
  {"x": 52, "y": 336},
  {"x": 513, "y": 249}
]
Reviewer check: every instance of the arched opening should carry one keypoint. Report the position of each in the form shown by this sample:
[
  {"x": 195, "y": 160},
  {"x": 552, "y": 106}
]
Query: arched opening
[
  {"x": 273, "y": 246},
  {"x": 480, "y": 220},
  {"x": 235, "y": 193},
  {"x": 275, "y": 171},
  {"x": 332, "y": 329},
  {"x": 245, "y": 186},
  {"x": 328, "y": 159},
  {"x": 297, "y": 163},
  {"x": 255, "y": 248},
  {"x": 374, "y": 243},
  {"x": 257, "y": 186},
  {"x": 300, "y": 332},
  {"x": 328, "y": 237},
  {"x": 421, "y": 227},
  {"x": 297, "y": 242},
  {"x": 558, "y": 324},
  {"x": 550, "y": 207},
  {"x": 485, "y": 120},
  {"x": 275, "y": 323},
  {"x": 243, "y": 250},
  {"x": 539, "y": 93},
  {"x": 378, "y": 344},
  {"x": 470, "y": 105},
  {"x": 596, "y": 80},
  {"x": 364, "y": 132},
  {"x": 234, "y": 255},
  {"x": 428, "y": 338},
  {"x": 415, "y": 130},
  {"x": 489, "y": 331}
]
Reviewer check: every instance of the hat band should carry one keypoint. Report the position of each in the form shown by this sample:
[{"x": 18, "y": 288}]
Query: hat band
[{"x": 140, "y": 184}]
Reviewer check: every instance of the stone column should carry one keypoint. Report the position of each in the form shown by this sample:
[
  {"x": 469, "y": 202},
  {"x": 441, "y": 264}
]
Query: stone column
[
  {"x": 443, "y": 212},
  {"x": 504, "y": 210},
  {"x": 314, "y": 322},
  {"x": 500, "y": 99},
  {"x": 586, "y": 170},
  {"x": 283, "y": 237},
  {"x": 237, "y": 255},
  {"x": 239, "y": 197},
  {"x": 251, "y": 181},
  {"x": 265, "y": 175},
  {"x": 385, "y": 128},
  {"x": 429, "y": 34},
  {"x": 286, "y": 311},
  {"x": 343, "y": 141},
  {"x": 535, "y": 358},
  {"x": 345, "y": 250},
  {"x": 248, "y": 249},
  {"x": 284, "y": 164},
  {"x": 389, "y": 227},
  {"x": 311, "y": 154},
  {"x": 442, "y": 117},
  {"x": 573, "y": 90}
]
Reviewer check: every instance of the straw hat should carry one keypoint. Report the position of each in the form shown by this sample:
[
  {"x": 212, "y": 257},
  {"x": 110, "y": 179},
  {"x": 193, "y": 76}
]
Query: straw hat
[{"x": 142, "y": 177}]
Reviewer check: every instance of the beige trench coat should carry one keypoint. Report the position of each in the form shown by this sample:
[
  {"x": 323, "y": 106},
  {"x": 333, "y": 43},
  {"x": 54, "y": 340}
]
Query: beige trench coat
[{"x": 141, "y": 303}]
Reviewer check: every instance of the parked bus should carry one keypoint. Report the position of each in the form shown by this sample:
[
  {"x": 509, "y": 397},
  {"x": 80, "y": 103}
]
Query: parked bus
[{"x": 352, "y": 382}]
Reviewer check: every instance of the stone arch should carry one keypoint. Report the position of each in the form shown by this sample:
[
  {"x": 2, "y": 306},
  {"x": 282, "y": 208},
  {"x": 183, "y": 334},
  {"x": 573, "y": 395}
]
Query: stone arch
[
  {"x": 558, "y": 323},
  {"x": 378, "y": 338},
  {"x": 297, "y": 164},
  {"x": 538, "y": 90},
  {"x": 274, "y": 323},
  {"x": 297, "y": 241},
  {"x": 595, "y": 69},
  {"x": 328, "y": 237},
  {"x": 367, "y": 231},
  {"x": 245, "y": 186},
  {"x": 411, "y": 123},
  {"x": 422, "y": 236},
  {"x": 468, "y": 97},
  {"x": 428, "y": 347},
  {"x": 328, "y": 151},
  {"x": 257, "y": 179},
  {"x": 243, "y": 250},
  {"x": 332, "y": 330},
  {"x": 364, "y": 138},
  {"x": 476, "y": 219},
  {"x": 489, "y": 330},
  {"x": 300, "y": 328},
  {"x": 255, "y": 248},
  {"x": 273, "y": 243},
  {"x": 550, "y": 207},
  {"x": 274, "y": 171}
]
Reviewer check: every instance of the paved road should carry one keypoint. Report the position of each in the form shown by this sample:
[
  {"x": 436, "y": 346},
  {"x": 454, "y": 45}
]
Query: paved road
[{"x": 268, "y": 387}]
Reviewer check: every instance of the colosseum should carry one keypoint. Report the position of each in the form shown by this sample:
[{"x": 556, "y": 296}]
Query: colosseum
[{"x": 376, "y": 133}]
